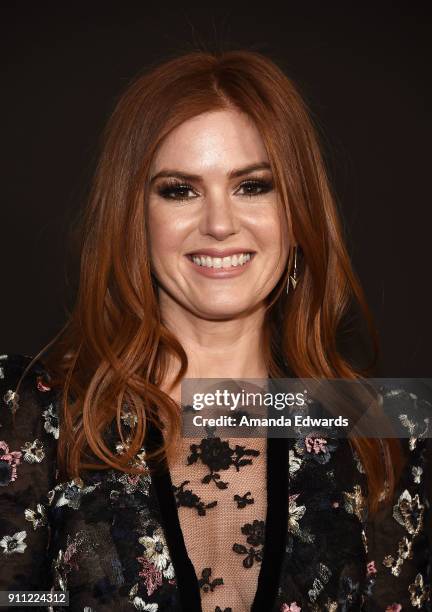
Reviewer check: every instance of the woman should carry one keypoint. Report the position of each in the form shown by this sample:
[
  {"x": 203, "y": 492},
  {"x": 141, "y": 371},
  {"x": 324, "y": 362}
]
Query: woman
[{"x": 211, "y": 249}]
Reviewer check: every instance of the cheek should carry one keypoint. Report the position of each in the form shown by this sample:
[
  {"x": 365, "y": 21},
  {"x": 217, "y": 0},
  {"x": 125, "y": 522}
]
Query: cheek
[
  {"x": 270, "y": 234},
  {"x": 163, "y": 235}
]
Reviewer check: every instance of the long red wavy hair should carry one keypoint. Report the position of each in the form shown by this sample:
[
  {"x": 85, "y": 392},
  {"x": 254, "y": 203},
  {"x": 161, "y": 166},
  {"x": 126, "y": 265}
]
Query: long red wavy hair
[{"x": 113, "y": 349}]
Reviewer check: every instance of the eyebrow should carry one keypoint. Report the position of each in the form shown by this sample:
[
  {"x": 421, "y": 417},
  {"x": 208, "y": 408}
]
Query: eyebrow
[{"x": 196, "y": 177}]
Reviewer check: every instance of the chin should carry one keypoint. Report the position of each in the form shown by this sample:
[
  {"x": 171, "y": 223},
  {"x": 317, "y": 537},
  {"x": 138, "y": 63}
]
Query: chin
[{"x": 224, "y": 311}]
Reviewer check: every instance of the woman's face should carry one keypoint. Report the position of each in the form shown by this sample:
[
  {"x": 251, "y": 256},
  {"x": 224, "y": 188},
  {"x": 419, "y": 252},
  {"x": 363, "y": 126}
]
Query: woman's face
[{"x": 217, "y": 243}]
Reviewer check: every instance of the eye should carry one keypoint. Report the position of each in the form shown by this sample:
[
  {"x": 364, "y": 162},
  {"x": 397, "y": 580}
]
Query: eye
[
  {"x": 256, "y": 187},
  {"x": 173, "y": 190}
]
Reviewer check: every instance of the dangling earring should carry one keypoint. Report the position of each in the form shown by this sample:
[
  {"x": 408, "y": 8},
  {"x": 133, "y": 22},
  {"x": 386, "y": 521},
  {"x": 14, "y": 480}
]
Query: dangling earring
[{"x": 292, "y": 278}]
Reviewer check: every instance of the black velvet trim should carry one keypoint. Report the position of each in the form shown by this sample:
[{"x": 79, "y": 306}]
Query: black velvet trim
[
  {"x": 276, "y": 524},
  {"x": 186, "y": 578}
]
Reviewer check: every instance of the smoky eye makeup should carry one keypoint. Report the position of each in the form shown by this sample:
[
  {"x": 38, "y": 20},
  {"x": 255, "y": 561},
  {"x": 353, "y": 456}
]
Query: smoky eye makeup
[
  {"x": 176, "y": 189},
  {"x": 255, "y": 186}
]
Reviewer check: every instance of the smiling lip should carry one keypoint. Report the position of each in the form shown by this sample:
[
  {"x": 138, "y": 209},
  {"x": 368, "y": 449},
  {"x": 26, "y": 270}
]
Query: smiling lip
[
  {"x": 220, "y": 252},
  {"x": 220, "y": 272}
]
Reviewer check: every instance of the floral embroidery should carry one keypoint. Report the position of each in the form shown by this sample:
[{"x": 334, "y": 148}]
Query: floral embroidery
[
  {"x": 190, "y": 500},
  {"x": 157, "y": 552},
  {"x": 409, "y": 512},
  {"x": 255, "y": 536},
  {"x": 70, "y": 554},
  {"x": 317, "y": 448},
  {"x": 128, "y": 417},
  {"x": 218, "y": 455},
  {"x": 67, "y": 559},
  {"x": 370, "y": 568},
  {"x": 315, "y": 445},
  {"x": 70, "y": 493},
  {"x": 60, "y": 578},
  {"x": 294, "y": 463},
  {"x": 204, "y": 582},
  {"x": 121, "y": 447},
  {"x": 37, "y": 517},
  {"x": 120, "y": 550},
  {"x": 404, "y": 552},
  {"x": 355, "y": 503},
  {"x": 11, "y": 399},
  {"x": 417, "y": 472},
  {"x": 51, "y": 421},
  {"x": 419, "y": 592},
  {"x": 14, "y": 543},
  {"x": 139, "y": 603},
  {"x": 243, "y": 500},
  {"x": 42, "y": 385},
  {"x": 33, "y": 451},
  {"x": 8, "y": 464},
  {"x": 415, "y": 429},
  {"x": 151, "y": 574},
  {"x": 129, "y": 484},
  {"x": 295, "y": 513},
  {"x": 324, "y": 574}
]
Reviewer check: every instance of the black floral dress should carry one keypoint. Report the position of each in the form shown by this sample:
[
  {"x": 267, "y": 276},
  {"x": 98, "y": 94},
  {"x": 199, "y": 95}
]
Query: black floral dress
[{"x": 267, "y": 525}]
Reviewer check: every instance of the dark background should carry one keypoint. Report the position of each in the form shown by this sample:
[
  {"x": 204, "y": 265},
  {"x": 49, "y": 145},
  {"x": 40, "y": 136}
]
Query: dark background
[{"x": 364, "y": 71}]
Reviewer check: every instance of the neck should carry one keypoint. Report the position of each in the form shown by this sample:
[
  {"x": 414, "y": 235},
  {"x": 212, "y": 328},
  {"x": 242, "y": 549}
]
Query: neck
[{"x": 230, "y": 348}]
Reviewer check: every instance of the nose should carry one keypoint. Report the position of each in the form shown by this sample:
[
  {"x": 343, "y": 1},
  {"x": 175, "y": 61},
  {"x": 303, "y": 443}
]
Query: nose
[{"x": 218, "y": 217}]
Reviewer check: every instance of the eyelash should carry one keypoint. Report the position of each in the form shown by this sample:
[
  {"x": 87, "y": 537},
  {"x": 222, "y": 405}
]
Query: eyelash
[{"x": 172, "y": 185}]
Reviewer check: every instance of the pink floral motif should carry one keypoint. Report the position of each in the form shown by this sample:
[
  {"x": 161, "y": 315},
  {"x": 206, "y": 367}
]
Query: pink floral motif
[
  {"x": 133, "y": 479},
  {"x": 41, "y": 386},
  {"x": 395, "y": 607},
  {"x": 371, "y": 569},
  {"x": 292, "y": 607},
  {"x": 69, "y": 553},
  {"x": 13, "y": 458},
  {"x": 152, "y": 576},
  {"x": 316, "y": 445}
]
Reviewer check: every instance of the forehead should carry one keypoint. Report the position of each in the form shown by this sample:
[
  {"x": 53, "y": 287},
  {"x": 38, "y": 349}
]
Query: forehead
[{"x": 221, "y": 139}]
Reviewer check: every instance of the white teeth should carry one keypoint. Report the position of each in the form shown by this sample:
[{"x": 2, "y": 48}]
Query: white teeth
[{"x": 219, "y": 262}]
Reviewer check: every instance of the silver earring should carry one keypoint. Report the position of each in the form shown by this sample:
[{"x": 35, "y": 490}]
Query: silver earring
[{"x": 292, "y": 278}]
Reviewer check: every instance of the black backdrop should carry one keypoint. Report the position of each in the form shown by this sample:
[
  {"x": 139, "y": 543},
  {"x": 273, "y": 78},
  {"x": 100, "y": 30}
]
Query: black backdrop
[{"x": 365, "y": 73}]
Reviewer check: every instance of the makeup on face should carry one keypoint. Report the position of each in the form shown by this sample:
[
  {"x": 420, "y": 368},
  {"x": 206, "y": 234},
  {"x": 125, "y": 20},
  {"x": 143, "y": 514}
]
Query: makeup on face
[{"x": 214, "y": 216}]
